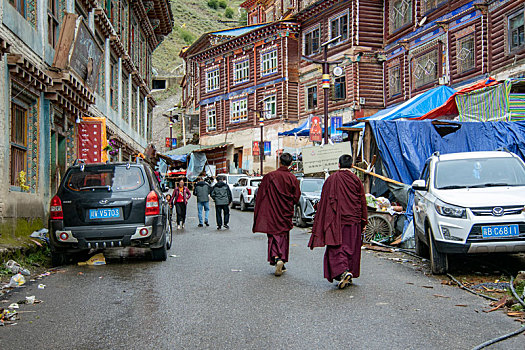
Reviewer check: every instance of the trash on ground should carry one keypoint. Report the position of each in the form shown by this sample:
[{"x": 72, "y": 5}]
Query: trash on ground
[
  {"x": 97, "y": 259},
  {"x": 441, "y": 296},
  {"x": 7, "y": 317},
  {"x": 377, "y": 248},
  {"x": 498, "y": 304},
  {"x": 15, "y": 268},
  {"x": 174, "y": 256},
  {"x": 461, "y": 305},
  {"x": 235, "y": 270},
  {"x": 30, "y": 300},
  {"x": 13, "y": 306},
  {"x": 492, "y": 286},
  {"x": 41, "y": 286},
  {"x": 399, "y": 260},
  {"x": 429, "y": 287},
  {"x": 41, "y": 234},
  {"x": 16, "y": 281}
]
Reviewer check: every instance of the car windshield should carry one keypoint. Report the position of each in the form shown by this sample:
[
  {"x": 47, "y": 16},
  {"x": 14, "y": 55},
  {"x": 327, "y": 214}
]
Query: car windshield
[
  {"x": 312, "y": 185},
  {"x": 487, "y": 172},
  {"x": 232, "y": 179},
  {"x": 117, "y": 178},
  {"x": 255, "y": 183}
]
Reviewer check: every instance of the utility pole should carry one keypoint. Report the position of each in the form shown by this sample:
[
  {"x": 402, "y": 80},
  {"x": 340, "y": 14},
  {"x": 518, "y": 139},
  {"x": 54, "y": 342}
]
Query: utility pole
[
  {"x": 171, "y": 131},
  {"x": 183, "y": 128},
  {"x": 260, "y": 113},
  {"x": 326, "y": 80}
]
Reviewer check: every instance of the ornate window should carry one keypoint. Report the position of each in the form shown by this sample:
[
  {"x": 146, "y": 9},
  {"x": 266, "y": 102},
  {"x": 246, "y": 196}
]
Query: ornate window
[
  {"x": 340, "y": 88},
  {"x": 239, "y": 111},
  {"x": 113, "y": 76},
  {"x": 311, "y": 97},
  {"x": 270, "y": 107},
  {"x": 269, "y": 62},
  {"x": 425, "y": 69},
  {"x": 339, "y": 27},
  {"x": 18, "y": 141},
  {"x": 212, "y": 80},
  {"x": 211, "y": 119},
  {"x": 241, "y": 71},
  {"x": 465, "y": 50},
  {"x": 311, "y": 41},
  {"x": 400, "y": 14},
  {"x": 429, "y": 5},
  {"x": 516, "y": 31},
  {"x": 394, "y": 81}
]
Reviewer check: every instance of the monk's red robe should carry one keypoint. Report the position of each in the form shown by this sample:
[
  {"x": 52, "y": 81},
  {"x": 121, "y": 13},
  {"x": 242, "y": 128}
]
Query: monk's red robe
[
  {"x": 338, "y": 223},
  {"x": 274, "y": 208},
  {"x": 274, "y": 204}
]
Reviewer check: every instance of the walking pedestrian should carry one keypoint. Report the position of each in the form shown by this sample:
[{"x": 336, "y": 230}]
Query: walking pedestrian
[
  {"x": 277, "y": 194},
  {"x": 339, "y": 223},
  {"x": 202, "y": 191},
  {"x": 179, "y": 198},
  {"x": 222, "y": 196}
]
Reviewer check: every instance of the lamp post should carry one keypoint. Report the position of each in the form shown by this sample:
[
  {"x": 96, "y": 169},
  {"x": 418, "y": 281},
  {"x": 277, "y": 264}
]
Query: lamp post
[
  {"x": 171, "y": 134},
  {"x": 260, "y": 113},
  {"x": 326, "y": 80}
]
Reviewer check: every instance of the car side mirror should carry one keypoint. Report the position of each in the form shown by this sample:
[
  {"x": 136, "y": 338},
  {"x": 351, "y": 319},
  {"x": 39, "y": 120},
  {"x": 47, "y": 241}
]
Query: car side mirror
[
  {"x": 419, "y": 185},
  {"x": 235, "y": 185}
]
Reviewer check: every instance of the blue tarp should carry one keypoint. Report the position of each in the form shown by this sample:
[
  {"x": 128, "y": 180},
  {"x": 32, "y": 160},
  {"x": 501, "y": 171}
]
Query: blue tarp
[
  {"x": 404, "y": 146},
  {"x": 180, "y": 158}
]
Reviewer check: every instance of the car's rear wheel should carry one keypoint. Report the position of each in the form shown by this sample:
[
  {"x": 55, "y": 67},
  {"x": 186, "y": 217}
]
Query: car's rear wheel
[
  {"x": 438, "y": 260},
  {"x": 299, "y": 217},
  {"x": 58, "y": 259},
  {"x": 243, "y": 205}
]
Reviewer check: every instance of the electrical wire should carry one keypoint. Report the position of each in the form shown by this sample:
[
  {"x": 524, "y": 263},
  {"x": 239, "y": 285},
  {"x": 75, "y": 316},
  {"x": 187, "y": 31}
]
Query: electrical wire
[
  {"x": 496, "y": 340},
  {"x": 462, "y": 286},
  {"x": 514, "y": 291}
]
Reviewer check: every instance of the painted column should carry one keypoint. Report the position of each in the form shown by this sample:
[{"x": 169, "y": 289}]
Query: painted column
[
  {"x": 120, "y": 91},
  {"x": 145, "y": 119},
  {"x": 107, "y": 61}
]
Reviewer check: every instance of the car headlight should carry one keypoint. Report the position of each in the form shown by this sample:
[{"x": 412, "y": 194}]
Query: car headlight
[{"x": 450, "y": 210}]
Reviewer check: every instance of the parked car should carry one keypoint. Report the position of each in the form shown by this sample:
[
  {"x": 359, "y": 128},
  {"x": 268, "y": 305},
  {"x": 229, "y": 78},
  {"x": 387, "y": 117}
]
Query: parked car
[
  {"x": 469, "y": 203},
  {"x": 109, "y": 205},
  {"x": 243, "y": 193},
  {"x": 310, "y": 195},
  {"x": 231, "y": 179}
]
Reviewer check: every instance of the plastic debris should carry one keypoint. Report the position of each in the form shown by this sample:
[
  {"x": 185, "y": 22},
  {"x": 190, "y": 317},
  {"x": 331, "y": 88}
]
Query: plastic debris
[
  {"x": 41, "y": 286},
  {"x": 41, "y": 234},
  {"x": 235, "y": 270},
  {"x": 97, "y": 259},
  {"x": 30, "y": 300},
  {"x": 15, "y": 268},
  {"x": 7, "y": 317},
  {"x": 16, "y": 281},
  {"x": 174, "y": 256},
  {"x": 13, "y": 306}
]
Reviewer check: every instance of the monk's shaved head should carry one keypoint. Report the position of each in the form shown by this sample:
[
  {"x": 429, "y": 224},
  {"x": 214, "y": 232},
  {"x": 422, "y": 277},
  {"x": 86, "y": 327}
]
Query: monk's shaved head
[
  {"x": 345, "y": 161},
  {"x": 286, "y": 159}
]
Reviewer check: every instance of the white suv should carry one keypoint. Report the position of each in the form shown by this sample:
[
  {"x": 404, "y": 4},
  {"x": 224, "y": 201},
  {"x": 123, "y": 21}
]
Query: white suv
[
  {"x": 243, "y": 193},
  {"x": 469, "y": 203}
]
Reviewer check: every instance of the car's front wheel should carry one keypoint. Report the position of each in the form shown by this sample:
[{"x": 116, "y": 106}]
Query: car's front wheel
[
  {"x": 58, "y": 259},
  {"x": 438, "y": 260}
]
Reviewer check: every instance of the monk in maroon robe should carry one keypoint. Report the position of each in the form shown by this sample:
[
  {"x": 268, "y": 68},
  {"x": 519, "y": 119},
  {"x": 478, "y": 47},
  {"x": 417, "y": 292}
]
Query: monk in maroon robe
[
  {"x": 339, "y": 222},
  {"x": 274, "y": 209}
]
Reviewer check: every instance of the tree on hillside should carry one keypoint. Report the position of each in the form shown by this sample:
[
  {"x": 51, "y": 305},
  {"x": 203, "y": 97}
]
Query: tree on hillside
[{"x": 229, "y": 12}]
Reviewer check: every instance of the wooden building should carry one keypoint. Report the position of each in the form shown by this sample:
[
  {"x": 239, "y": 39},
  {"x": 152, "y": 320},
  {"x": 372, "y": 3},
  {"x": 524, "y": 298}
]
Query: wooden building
[
  {"x": 66, "y": 61},
  {"x": 234, "y": 76}
]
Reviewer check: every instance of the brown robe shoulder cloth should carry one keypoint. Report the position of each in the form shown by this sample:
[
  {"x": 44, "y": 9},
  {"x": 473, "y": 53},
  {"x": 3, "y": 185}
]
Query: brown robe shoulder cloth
[{"x": 342, "y": 202}]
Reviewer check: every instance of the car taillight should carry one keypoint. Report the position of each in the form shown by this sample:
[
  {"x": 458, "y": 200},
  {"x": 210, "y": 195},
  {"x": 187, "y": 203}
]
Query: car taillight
[
  {"x": 249, "y": 191},
  {"x": 152, "y": 204},
  {"x": 56, "y": 212}
]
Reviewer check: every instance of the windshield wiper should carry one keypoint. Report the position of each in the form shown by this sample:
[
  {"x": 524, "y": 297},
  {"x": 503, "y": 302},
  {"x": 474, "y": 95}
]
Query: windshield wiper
[
  {"x": 490, "y": 184},
  {"x": 95, "y": 188},
  {"x": 451, "y": 187}
]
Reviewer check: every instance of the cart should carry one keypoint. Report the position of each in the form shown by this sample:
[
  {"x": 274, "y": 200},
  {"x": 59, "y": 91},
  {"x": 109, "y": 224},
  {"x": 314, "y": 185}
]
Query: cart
[{"x": 381, "y": 226}]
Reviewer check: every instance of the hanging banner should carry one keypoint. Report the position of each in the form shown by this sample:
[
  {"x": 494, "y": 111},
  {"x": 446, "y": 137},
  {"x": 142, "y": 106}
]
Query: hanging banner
[
  {"x": 91, "y": 140},
  {"x": 336, "y": 123},
  {"x": 256, "y": 150},
  {"x": 316, "y": 132},
  {"x": 267, "y": 148}
]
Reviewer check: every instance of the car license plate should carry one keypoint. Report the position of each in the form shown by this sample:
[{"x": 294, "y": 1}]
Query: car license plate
[
  {"x": 105, "y": 213},
  {"x": 500, "y": 231}
]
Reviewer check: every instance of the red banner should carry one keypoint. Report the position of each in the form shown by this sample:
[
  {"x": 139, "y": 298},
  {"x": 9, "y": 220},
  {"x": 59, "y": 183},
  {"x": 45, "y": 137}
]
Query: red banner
[
  {"x": 91, "y": 134},
  {"x": 256, "y": 150},
  {"x": 316, "y": 132}
]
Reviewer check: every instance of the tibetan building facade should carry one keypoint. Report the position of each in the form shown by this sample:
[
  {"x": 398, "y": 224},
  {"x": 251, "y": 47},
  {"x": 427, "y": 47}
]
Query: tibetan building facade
[
  {"x": 64, "y": 62},
  {"x": 233, "y": 76}
]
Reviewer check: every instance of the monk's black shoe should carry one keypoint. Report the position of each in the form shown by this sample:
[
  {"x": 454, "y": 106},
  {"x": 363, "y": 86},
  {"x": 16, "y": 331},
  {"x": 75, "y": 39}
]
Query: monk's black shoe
[
  {"x": 200, "y": 225},
  {"x": 206, "y": 223},
  {"x": 346, "y": 279}
]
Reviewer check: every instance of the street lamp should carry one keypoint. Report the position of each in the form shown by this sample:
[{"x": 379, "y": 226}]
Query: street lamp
[
  {"x": 261, "y": 112},
  {"x": 171, "y": 134},
  {"x": 326, "y": 79}
]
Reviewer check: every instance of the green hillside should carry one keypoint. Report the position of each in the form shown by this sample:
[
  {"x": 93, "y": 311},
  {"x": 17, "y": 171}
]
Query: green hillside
[{"x": 192, "y": 18}]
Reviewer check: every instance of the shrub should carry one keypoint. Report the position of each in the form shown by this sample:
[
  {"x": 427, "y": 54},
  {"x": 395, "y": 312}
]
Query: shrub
[
  {"x": 229, "y": 12},
  {"x": 186, "y": 35},
  {"x": 214, "y": 4},
  {"x": 223, "y": 4},
  {"x": 243, "y": 19}
]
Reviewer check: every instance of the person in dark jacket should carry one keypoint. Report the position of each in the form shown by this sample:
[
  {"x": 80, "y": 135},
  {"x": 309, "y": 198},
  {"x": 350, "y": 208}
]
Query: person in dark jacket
[
  {"x": 202, "y": 191},
  {"x": 222, "y": 196}
]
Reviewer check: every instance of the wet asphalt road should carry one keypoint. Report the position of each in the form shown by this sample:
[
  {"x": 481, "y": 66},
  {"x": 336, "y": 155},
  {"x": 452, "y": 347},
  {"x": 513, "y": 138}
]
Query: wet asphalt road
[{"x": 219, "y": 293}]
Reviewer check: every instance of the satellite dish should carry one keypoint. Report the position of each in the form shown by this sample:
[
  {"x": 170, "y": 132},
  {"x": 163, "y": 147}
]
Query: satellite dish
[{"x": 338, "y": 71}]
